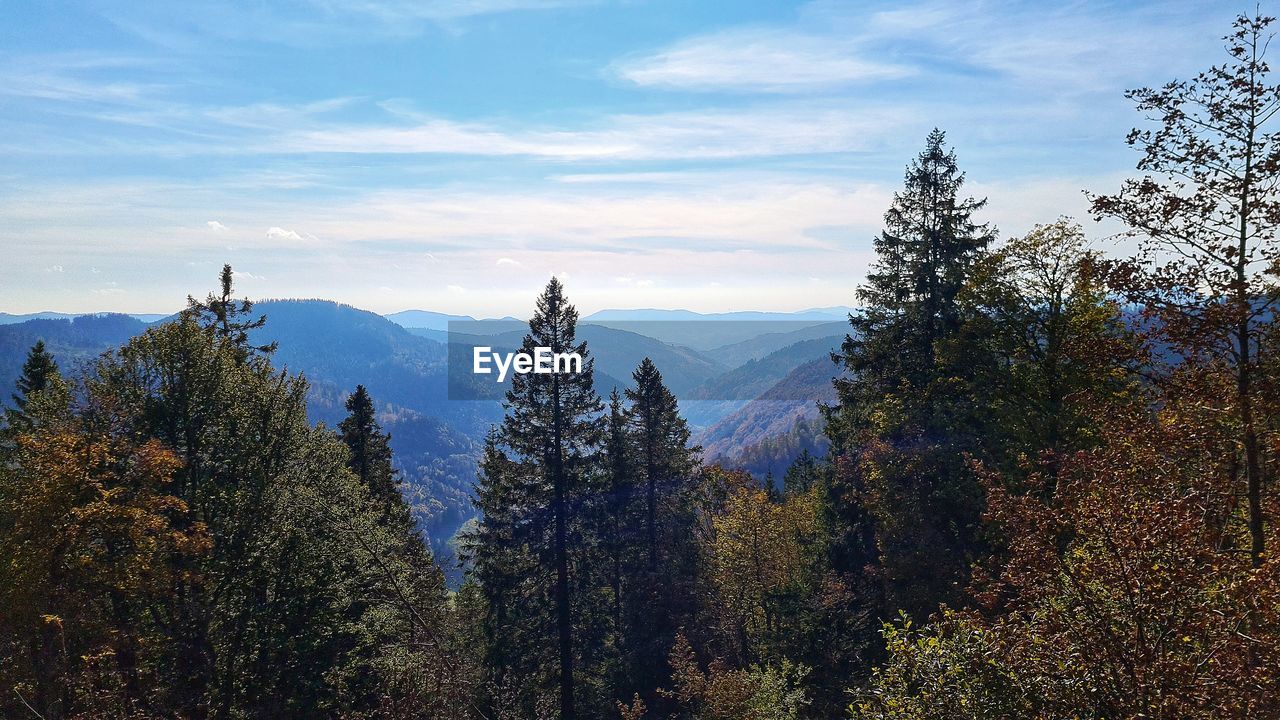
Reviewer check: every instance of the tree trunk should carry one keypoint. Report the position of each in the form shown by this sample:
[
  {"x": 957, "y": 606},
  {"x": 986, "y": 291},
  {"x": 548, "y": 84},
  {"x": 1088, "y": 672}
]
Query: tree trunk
[{"x": 563, "y": 618}]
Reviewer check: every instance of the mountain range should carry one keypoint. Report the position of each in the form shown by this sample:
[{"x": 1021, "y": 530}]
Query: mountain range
[{"x": 749, "y": 383}]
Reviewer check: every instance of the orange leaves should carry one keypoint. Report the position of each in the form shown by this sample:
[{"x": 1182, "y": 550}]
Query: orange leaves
[{"x": 1134, "y": 573}]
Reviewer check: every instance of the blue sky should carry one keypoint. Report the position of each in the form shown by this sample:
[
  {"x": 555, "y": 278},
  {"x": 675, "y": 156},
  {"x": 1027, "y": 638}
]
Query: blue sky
[{"x": 451, "y": 156}]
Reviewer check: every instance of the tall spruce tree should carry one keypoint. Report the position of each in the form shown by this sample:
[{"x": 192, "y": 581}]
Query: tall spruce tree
[
  {"x": 910, "y": 300},
  {"x": 38, "y": 371},
  {"x": 907, "y": 414},
  {"x": 535, "y": 487},
  {"x": 370, "y": 448},
  {"x": 664, "y": 465},
  {"x": 619, "y": 528}
]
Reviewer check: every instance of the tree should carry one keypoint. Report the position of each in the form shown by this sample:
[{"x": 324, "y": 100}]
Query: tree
[
  {"x": 1038, "y": 304},
  {"x": 40, "y": 392},
  {"x": 1206, "y": 212},
  {"x": 89, "y": 539},
  {"x": 911, "y": 297},
  {"x": 760, "y": 692},
  {"x": 621, "y": 526},
  {"x": 228, "y": 318},
  {"x": 663, "y": 597},
  {"x": 306, "y": 602},
  {"x": 662, "y": 447},
  {"x": 38, "y": 371},
  {"x": 914, "y": 401},
  {"x": 370, "y": 449},
  {"x": 536, "y": 483},
  {"x": 1123, "y": 577}
]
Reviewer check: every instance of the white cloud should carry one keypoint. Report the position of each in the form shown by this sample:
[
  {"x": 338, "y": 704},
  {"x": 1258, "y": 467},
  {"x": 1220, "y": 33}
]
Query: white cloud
[
  {"x": 508, "y": 262},
  {"x": 216, "y": 226},
  {"x": 455, "y": 289},
  {"x": 53, "y": 269},
  {"x": 770, "y": 130},
  {"x": 758, "y": 60},
  {"x": 279, "y": 233},
  {"x": 241, "y": 275}
]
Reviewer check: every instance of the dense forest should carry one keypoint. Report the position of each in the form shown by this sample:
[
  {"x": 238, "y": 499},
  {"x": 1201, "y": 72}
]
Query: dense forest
[{"x": 1047, "y": 489}]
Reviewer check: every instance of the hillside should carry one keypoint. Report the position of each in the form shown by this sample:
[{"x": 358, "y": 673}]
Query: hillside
[{"x": 790, "y": 402}]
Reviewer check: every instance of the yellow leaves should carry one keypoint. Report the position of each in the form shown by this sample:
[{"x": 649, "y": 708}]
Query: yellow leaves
[
  {"x": 757, "y": 549},
  {"x": 51, "y": 620}
]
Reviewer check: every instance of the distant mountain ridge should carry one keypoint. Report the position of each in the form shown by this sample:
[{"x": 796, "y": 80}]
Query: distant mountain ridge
[
  {"x": 9, "y": 319},
  {"x": 749, "y": 386},
  {"x": 648, "y": 314}
]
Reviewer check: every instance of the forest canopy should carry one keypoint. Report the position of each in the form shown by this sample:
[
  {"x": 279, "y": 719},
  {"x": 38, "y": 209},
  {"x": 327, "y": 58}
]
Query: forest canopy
[{"x": 1048, "y": 490}]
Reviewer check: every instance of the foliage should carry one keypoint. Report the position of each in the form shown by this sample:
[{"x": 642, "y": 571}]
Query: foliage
[{"x": 947, "y": 670}]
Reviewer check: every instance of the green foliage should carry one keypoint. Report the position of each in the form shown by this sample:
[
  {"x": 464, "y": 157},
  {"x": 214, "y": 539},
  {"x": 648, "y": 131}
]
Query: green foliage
[
  {"x": 533, "y": 551},
  {"x": 37, "y": 372},
  {"x": 759, "y": 692},
  {"x": 950, "y": 670},
  {"x": 227, "y": 317},
  {"x": 188, "y": 542}
]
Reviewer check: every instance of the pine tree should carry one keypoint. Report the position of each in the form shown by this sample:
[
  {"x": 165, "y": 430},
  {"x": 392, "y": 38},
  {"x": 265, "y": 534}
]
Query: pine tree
[
  {"x": 664, "y": 465},
  {"x": 908, "y": 412},
  {"x": 619, "y": 531},
  {"x": 535, "y": 488},
  {"x": 662, "y": 440},
  {"x": 911, "y": 298},
  {"x": 370, "y": 448},
  {"x": 37, "y": 372},
  {"x": 228, "y": 318}
]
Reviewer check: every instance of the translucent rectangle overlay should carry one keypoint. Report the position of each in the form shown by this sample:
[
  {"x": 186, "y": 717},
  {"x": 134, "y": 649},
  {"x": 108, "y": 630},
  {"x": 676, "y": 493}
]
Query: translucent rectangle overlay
[{"x": 712, "y": 363}]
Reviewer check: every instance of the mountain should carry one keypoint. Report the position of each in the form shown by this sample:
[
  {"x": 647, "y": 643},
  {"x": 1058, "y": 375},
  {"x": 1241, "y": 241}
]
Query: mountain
[
  {"x": 653, "y": 314},
  {"x": 72, "y": 341},
  {"x": 707, "y": 331},
  {"x": 336, "y": 347},
  {"x": 617, "y": 354},
  {"x": 7, "y": 319},
  {"x": 428, "y": 320},
  {"x": 830, "y": 333},
  {"x": 788, "y": 407},
  {"x": 436, "y": 434},
  {"x": 425, "y": 319}
]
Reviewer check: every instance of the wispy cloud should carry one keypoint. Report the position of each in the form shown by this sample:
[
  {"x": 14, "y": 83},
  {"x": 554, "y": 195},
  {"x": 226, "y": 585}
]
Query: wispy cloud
[
  {"x": 761, "y": 131},
  {"x": 758, "y": 60}
]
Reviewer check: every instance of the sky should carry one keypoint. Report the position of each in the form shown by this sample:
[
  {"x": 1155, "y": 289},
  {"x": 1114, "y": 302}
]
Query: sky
[{"x": 452, "y": 156}]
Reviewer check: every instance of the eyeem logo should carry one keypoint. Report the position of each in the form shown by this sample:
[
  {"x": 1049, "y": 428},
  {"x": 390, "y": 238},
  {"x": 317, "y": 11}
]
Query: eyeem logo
[{"x": 542, "y": 362}]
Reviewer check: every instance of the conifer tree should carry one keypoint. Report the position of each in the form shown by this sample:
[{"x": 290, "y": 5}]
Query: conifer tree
[
  {"x": 911, "y": 298},
  {"x": 37, "y": 372},
  {"x": 664, "y": 466},
  {"x": 535, "y": 487},
  {"x": 370, "y": 448},
  {"x": 228, "y": 318},
  {"x": 907, "y": 412},
  {"x": 619, "y": 531}
]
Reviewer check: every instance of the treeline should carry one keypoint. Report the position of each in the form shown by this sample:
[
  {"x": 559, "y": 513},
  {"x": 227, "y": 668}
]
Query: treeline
[
  {"x": 178, "y": 541},
  {"x": 1049, "y": 492}
]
